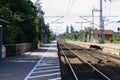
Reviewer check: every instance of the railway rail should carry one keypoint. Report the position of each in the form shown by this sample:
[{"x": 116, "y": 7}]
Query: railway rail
[{"x": 79, "y": 66}]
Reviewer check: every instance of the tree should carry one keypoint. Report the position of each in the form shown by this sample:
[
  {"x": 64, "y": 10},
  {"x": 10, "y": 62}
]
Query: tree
[
  {"x": 67, "y": 29},
  {"x": 72, "y": 29},
  {"x": 22, "y": 15},
  {"x": 116, "y": 38},
  {"x": 25, "y": 23},
  {"x": 11, "y": 32}
]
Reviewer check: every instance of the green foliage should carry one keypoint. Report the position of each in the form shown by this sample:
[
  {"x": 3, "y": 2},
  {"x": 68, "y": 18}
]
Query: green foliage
[
  {"x": 25, "y": 25},
  {"x": 81, "y": 35},
  {"x": 51, "y": 37},
  {"x": 67, "y": 29},
  {"x": 116, "y": 38},
  {"x": 13, "y": 34},
  {"x": 72, "y": 29}
]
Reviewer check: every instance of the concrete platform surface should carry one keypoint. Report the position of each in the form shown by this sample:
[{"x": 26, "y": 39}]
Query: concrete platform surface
[
  {"x": 115, "y": 46},
  {"x": 112, "y": 49},
  {"x": 47, "y": 68},
  {"x": 40, "y": 64}
]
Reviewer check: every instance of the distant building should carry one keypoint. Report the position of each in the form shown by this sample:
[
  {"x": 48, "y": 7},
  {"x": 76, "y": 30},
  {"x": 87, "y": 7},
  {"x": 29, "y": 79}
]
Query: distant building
[{"x": 95, "y": 34}]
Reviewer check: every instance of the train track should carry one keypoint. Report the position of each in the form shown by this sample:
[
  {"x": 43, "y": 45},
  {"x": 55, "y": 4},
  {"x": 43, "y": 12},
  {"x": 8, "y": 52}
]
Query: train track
[{"x": 81, "y": 69}]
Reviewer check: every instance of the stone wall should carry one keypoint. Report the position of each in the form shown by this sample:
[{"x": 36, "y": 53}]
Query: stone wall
[{"x": 17, "y": 49}]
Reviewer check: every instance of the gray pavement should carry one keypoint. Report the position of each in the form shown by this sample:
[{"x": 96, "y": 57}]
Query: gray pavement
[
  {"x": 18, "y": 67},
  {"x": 109, "y": 45}
]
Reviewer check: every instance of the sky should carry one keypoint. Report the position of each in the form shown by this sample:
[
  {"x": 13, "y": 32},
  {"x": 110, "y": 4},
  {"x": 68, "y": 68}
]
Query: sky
[{"x": 73, "y": 9}]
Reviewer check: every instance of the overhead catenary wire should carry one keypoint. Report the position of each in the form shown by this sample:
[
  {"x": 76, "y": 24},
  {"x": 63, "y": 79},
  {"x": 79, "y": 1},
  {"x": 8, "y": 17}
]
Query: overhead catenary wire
[
  {"x": 57, "y": 19},
  {"x": 68, "y": 4},
  {"x": 105, "y": 11},
  {"x": 109, "y": 6},
  {"x": 69, "y": 8},
  {"x": 88, "y": 21}
]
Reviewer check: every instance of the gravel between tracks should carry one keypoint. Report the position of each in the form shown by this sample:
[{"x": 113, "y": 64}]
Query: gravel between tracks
[{"x": 108, "y": 68}]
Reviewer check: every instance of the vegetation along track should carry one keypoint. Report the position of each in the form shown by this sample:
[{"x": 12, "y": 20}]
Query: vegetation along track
[{"x": 85, "y": 65}]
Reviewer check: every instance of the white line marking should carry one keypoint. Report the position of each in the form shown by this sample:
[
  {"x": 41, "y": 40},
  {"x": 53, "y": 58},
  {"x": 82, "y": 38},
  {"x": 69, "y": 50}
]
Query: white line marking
[
  {"x": 57, "y": 73},
  {"x": 52, "y": 62},
  {"x": 49, "y": 63},
  {"x": 26, "y": 78},
  {"x": 46, "y": 71},
  {"x": 40, "y": 65},
  {"x": 48, "y": 67},
  {"x": 55, "y": 79}
]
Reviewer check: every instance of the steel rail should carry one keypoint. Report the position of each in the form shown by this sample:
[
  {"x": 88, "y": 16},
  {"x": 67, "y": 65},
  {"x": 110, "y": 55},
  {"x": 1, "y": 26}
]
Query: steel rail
[
  {"x": 69, "y": 64},
  {"x": 107, "y": 78},
  {"x": 109, "y": 58}
]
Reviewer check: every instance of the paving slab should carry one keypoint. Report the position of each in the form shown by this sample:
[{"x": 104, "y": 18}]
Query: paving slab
[
  {"x": 20, "y": 66},
  {"x": 48, "y": 67}
]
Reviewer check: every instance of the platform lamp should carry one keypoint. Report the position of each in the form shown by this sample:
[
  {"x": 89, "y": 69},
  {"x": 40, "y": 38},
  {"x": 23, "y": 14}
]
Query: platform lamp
[{"x": 1, "y": 23}]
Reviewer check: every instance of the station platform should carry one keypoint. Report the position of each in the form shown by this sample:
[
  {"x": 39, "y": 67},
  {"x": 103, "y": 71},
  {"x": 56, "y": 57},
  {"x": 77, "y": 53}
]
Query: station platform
[
  {"x": 39, "y": 64},
  {"x": 47, "y": 68},
  {"x": 112, "y": 49}
]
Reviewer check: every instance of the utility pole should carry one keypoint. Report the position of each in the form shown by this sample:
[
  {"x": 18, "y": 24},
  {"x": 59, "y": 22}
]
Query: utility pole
[
  {"x": 93, "y": 19},
  {"x": 101, "y": 23}
]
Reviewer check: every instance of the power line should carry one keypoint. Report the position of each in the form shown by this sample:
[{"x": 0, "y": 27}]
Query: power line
[
  {"x": 81, "y": 24},
  {"x": 57, "y": 20},
  {"x": 52, "y": 16},
  {"x": 108, "y": 8},
  {"x": 68, "y": 4},
  {"x": 88, "y": 21},
  {"x": 57, "y": 23},
  {"x": 69, "y": 8}
]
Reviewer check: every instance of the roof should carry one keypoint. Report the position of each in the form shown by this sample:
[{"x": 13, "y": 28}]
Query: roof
[{"x": 98, "y": 32}]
